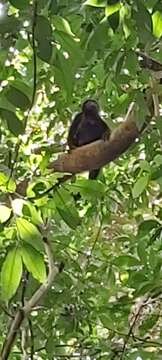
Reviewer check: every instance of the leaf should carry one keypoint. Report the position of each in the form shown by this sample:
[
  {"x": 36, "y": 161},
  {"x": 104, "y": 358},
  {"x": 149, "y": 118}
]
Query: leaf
[
  {"x": 6, "y": 184},
  {"x": 88, "y": 188},
  {"x": 43, "y": 29},
  {"x": 98, "y": 37},
  {"x": 29, "y": 233},
  {"x": 9, "y": 24},
  {"x": 30, "y": 209},
  {"x": 45, "y": 50},
  {"x": 111, "y": 9},
  {"x": 11, "y": 273},
  {"x": 64, "y": 205},
  {"x": 126, "y": 261},
  {"x": 146, "y": 226},
  {"x": 69, "y": 44},
  {"x": 62, "y": 24},
  {"x": 157, "y": 24},
  {"x": 140, "y": 186},
  {"x": 148, "y": 323},
  {"x": 96, "y": 3},
  {"x": 64, "y": 74},
  {"x": 5, "y": 213},
  {"x": 20, "y": 4},
  {"x": 6, "y": 105},
  {"x": 67, "y": 215},
  {"x": 17, "y": 98},
  {"x": 34, "y": 262},
  {"x": 15, "y": 125}
]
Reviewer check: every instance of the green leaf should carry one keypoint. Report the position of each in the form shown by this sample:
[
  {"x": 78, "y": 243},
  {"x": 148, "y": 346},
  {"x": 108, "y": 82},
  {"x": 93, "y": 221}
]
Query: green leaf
[
  {"x": 9, "y": 24},
  {"x": 64, "y": 74},
  {"x": 43, "y": 29},
  {"x": 64, "y": 205},
  {"x": 15, "y": 125},
  {"x": 98, "y": 37},
  {"x": 23, "y": 87},
  {"x": 20, "y": 4},
  {"x": 34, "y": 262},
  {"x": 157, "y": 24},
  {"x": 6, "y": 184},
  {"x": 88, "y": 188},
  {"x": 140, "y": 186},
  {"x": 29, "y": 233},
  {"x": 5, "y": 213},
  {"x": 111, "y": 9},
  {"x": 62, "y": 24},
  {"x": 146, "y": 226},
  {"x": 11, "y": 273},
  {"x": 148, "y": 323},
  {"x": 6, "y": 105},
  {"x": 96, "y": 3},
  {"x": 30, "y": 210},
  {"x": 17, "y": 98},
  {"x": 71, "y": 46},
  {"x": 45, "y": 50},
  {"x": 126, "y": 261},
  {"x": 68, "y": 216}
]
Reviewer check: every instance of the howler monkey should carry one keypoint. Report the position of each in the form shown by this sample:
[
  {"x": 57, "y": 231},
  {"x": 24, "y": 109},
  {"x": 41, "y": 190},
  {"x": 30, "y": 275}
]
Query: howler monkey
[{"x": 87, "y": 127}]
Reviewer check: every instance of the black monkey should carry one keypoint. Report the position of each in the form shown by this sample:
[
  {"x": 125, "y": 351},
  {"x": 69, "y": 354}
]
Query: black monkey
[{"x": 87, "y": 127}]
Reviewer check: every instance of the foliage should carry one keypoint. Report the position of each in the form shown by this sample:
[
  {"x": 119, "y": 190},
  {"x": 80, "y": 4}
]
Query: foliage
[{"x": 106, "y": 304}]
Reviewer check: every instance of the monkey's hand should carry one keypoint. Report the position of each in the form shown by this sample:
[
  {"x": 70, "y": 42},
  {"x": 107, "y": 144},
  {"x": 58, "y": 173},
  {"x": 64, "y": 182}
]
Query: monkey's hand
[{"x": 106, "y": 135}]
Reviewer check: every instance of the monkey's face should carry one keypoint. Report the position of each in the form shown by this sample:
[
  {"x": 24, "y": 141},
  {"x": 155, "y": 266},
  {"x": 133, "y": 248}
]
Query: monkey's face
[{"x": 90, "y": 106}]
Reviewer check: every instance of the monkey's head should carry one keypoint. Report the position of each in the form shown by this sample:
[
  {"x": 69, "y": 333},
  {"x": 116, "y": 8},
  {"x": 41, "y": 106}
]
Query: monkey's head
[{"x": 90, "y": 106}]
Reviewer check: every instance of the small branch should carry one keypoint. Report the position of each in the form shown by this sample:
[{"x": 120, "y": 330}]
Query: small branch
[
  {"x": 31, "y": 339},
  {"x": 136, "y": 316},
  {"x": 53, "y": 187},
  {"x": 53, "y": 271},
  {"x": 27, "y": 308}
]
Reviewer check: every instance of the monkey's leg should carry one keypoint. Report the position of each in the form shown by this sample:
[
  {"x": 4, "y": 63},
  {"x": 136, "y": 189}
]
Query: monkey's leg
[{"x": 94, "y": 173}]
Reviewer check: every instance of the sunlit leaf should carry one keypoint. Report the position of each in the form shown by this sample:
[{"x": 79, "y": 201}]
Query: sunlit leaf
[
  {"x": 62, "y": 24},
  {"x": 96, "y": 3},
  {"x": 5, "y": 213},
  {"x": 157, "y": 24},
  {"x": 11, "y": 273},
  {"x": 28, "y": 232},
  {"x": 34, "y": 262},
  {"x": 111, "y": 9}
]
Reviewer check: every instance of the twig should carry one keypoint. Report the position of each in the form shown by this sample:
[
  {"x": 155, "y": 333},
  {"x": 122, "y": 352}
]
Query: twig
[
  {"x": 31, "y": 339},
  {"x": 53, "y": 187},
  {"x": 132, "y": 327},
  {"x": 24, "y": 286}
]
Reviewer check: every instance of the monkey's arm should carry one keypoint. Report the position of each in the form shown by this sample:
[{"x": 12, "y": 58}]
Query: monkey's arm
[{"x": 72, "y": 136}]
